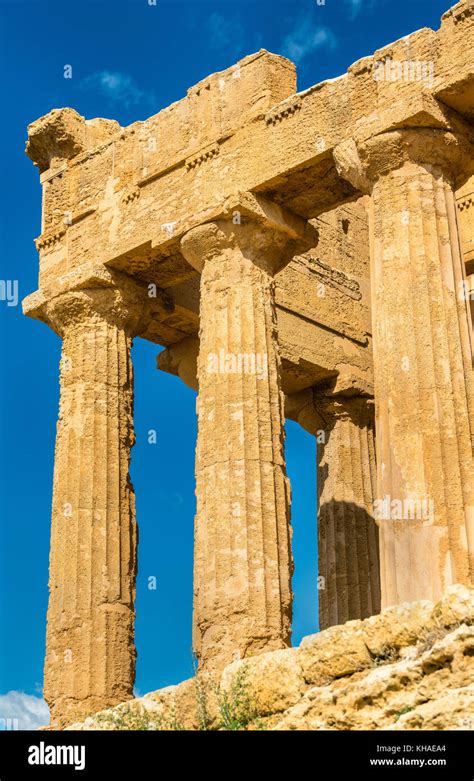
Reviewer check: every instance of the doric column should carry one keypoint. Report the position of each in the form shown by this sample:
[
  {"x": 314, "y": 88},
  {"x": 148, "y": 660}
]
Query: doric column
[
  {"x": 422, "y": 359},
  {"x": 90, "y": 654},
  {"x": 349, "y": 565},
  {"x": 347, "y": 533},
  {"x": 243, "y": 562}
]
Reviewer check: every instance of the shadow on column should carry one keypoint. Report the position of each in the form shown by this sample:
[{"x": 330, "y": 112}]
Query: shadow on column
[{"x": 349, "y": 568}]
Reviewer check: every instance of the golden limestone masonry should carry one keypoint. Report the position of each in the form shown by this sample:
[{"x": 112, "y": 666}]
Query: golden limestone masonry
[{"x": 301, "y": 255}]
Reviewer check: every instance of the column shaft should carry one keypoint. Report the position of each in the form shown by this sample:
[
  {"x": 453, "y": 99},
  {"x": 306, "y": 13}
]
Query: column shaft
[
  {"x": 423, "y": 380},
  {"x": 243, "y": 559},
  {"x": 347, "y": 533},
  {"x": 90, "y": 658}
]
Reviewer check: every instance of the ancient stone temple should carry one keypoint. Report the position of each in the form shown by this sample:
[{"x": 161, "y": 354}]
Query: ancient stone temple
[{"x": 303, "y": 255}]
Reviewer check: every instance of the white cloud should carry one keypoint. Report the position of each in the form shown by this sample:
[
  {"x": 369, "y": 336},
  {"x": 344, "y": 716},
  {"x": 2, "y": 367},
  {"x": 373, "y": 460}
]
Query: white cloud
[
  {"x": 356, "y": 6},
  {"x": 117, "y": 88},
  {"x": 225, "y": 33},
  {"x": 31, "y": 712},
  {"x": 307, "y": 37}
]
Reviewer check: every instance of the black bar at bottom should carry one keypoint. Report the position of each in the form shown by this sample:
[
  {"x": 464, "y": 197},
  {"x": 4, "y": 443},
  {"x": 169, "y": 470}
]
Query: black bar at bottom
[{"x": 377, "y": 754}]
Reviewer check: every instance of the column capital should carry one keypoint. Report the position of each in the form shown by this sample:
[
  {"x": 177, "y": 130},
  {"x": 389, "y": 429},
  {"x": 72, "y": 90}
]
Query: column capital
[
  {"x": 316, "y": 409},
  {"x": 301, "y": 408},
  {"x": 87, "y": 295},
  {"x": 264, "y": 232},
  {"x": 181, "y": 360},
  {"x": 359, "y": 409},
  {"x": 363, "y": 161}
]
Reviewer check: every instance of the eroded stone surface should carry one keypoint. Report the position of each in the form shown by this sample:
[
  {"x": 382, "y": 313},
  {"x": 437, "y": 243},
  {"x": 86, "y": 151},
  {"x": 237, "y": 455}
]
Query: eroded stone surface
[{"x": 407, "y": 668}]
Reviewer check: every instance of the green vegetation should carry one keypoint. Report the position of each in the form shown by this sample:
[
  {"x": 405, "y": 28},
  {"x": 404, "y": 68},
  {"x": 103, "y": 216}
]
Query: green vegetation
[
  {"x": 404, "y": 710},
  {"x": 236, "y": 710}
]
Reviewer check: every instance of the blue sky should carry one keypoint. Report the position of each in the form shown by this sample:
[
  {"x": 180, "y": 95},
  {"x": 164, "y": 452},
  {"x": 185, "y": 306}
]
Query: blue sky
[{"x": 129, "y": 60}]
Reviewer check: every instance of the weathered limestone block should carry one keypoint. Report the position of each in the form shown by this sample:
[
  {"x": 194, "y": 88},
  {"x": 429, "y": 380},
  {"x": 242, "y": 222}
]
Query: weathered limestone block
[
  {"x": 63, "y": 134},
  {"x": 422, "y": 358},
  {"x": 243, "y": 561},
  {"x": 90, "y": 656},
  {"x": 338, "y": 651},
  {"x": 394, "y": 628},
  {"x": 397, "y": 627},
  {"x": 400, "y": 626},
  {"x": 257, "y": 679},
  {"x": 192, "y": 704},
  {"x": 455, "y": 606},
  {"x": 453, "y": 710},
  {"x": 428, "y": 688}
]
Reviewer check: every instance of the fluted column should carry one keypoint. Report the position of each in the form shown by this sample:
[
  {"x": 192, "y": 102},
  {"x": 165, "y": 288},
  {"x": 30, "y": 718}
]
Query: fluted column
[
  {"x": 243, "y": 561},
  {"x": 348, "y": 553},
  {"x": 422, "y": 361},
  {"x": 90, "y": 654},
  {"x": 347, "y": 533}
]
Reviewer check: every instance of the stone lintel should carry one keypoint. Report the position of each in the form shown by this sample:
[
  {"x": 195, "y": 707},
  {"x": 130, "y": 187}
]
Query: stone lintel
[
  {"x": 252, "y": 207},
  {"x": 247, "y": 206},
  {"x": 263, "y": 87},
  {"x": 50, "y": 174},
  {"x": 416, "y": 111},
  {"x": 459, "y": 94},
  {"x": 351, "y": 382},
  {"x": 256, "y": 208},
  {"x": 180, "y": 360}
]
